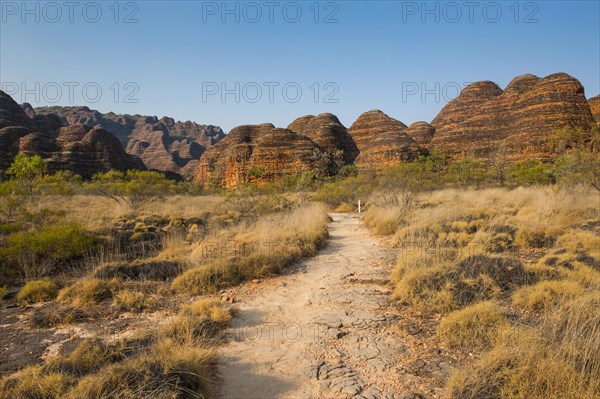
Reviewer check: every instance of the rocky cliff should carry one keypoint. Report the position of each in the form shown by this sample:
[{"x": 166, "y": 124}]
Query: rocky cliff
[
  {"x": 519, "y": 118},
  {"x": 163, "y": 144},
  {"x": 78, "y": 148},
  {"x": 257, "y": 154}
]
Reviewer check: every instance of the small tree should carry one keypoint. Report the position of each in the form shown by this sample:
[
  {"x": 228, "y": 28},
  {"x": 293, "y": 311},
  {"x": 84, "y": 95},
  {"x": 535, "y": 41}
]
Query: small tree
[
  {"x": 133, "y": 188},
  {"x": 466, "y": 171},
  {"x": 27, "y": 170},
  {"x": 500, "y": 164},
  {"x": 579, "y": 167}
]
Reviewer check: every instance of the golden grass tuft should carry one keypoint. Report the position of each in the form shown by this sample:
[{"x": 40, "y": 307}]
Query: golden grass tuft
[
  {"x": 197, "y": 322},
  {"x": 89, "y": 356},
  {"x": 530, "y": 238},
  {"x": 87, "y": 292},
  {"x": 3, "y": 292},
  {"x": 167, "y": 371},
  {"x": 473, "y": 328},
  {"x": 38, "y": 291},
  {"x": 384, "y": 220},
  {"x": 546, "y": 295},
  {"x": 523, "y": 365},
  {"x": 133, "y": 301},
  {"x": 445, "y": 286},
  {"x": 33, "y": 383}
]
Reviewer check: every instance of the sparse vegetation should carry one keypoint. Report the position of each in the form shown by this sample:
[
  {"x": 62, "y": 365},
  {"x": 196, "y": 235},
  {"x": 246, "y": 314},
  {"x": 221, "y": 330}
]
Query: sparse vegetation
[{"x": 497, "y": 266}]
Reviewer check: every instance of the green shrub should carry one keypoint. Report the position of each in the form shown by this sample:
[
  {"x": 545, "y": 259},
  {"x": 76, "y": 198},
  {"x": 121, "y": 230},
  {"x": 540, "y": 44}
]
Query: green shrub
[
  {"x": 38, "y": 252},
  {"x": 347, "y": 191},
  {"x": 27, "y": 170},
  {"x": 466, "y": 172},
  {"x": 532, "y": 172},
  {"x": 38, "y": 291}
]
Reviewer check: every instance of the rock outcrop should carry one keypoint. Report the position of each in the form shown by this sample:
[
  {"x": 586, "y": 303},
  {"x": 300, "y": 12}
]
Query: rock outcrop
[
  {"x": 421, "y": 133},
  {"x": 29, "y": 110},
  {"x": 382, "y": 141},
  {"x": 328, "y": 132},
  {"x": 86, "y": 151},
  {"x": 520, "y": 118},
  {"x": 78, "y": 148},
  {"x": 256, "y": 154},
  {"x": 11, "y": 113},
  {"x": 119, "y": 125},
  {"x": 594, "y": 103},
  {"x": 162, "y": 144}
]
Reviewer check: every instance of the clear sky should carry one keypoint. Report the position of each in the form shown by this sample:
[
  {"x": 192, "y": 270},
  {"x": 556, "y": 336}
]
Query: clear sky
[{"x": 232, "y": 63}]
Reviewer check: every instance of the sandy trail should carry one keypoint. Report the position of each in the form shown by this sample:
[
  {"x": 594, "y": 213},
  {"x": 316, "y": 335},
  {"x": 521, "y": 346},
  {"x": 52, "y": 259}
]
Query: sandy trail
[{"x": 324, "y": 331}]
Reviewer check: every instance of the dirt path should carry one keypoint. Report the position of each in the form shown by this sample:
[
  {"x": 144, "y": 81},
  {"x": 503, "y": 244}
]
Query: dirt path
[{"x": 327, "y": 330}]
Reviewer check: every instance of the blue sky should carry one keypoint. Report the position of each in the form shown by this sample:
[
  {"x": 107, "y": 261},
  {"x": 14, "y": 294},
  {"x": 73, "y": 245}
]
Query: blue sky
[{"x": 175, "y": 57}]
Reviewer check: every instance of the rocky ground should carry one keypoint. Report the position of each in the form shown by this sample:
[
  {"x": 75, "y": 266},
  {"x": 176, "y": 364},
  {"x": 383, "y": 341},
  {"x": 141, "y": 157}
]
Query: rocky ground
[{"x": 329, "y": 329}]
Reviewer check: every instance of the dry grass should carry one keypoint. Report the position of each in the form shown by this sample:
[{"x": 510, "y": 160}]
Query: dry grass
[
  {"x": 536, "y": 253},
  {"x": 523, "y": 365},
  {"x": 33, "y": 383},
  {"x": 447, "y": 286},
  {"x": 107, "y": 211},
  {"x": 176, "y": 359},
  {"x": 253, "y": 250},
  {"x": 384, "y": 220},
  {"x": 140, "y": 270}
]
